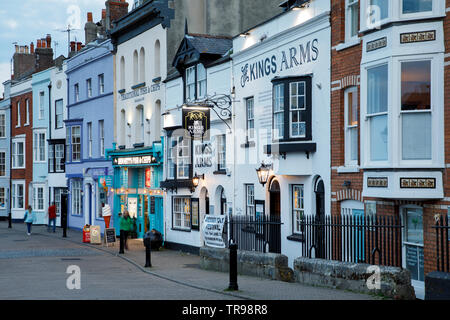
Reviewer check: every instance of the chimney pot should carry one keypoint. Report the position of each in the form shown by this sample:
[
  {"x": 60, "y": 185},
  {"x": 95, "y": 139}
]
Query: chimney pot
[
  {"x": 79, "y": 46},
  {"x": 72, "y": 46},
  {"x": 89, "y": 17},
  {"x": 43, "y": 43},
  {"x": 17, "y": 48},
  {"x": 103, "y": 14},
  {"x": 49, "y": 41},
  {"x": 32, "y": 48}
]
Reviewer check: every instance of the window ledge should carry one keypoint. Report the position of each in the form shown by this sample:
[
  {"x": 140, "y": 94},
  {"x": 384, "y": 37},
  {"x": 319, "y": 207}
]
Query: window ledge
[
  {"x": 348, "y": 169},
  {"x": 296, "y": 238},
  {"x": 348, "y": 44},
  {"x": 140, "y": 85},
  {"x": 221, "y": 172},
  {"x": 121, "y": 91},
  {"x": 182, "y": 230}
]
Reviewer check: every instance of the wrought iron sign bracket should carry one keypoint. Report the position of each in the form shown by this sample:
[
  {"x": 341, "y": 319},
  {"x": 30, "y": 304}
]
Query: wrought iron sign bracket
[{"x": 221, "y": 104}]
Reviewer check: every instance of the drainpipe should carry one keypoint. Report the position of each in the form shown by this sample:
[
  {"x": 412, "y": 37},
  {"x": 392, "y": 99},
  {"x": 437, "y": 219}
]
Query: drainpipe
[{"x": 49, "y": 130}]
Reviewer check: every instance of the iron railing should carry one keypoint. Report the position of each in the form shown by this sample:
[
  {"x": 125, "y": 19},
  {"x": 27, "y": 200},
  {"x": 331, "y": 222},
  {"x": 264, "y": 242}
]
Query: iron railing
[
  {"x": 442, "y": 230},
  {"x": 262, "y": 234},
  {"x": 358, "y": 239}
]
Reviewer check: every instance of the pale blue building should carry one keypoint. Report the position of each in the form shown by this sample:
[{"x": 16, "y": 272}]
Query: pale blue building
[{"x": 5, "y": 151}]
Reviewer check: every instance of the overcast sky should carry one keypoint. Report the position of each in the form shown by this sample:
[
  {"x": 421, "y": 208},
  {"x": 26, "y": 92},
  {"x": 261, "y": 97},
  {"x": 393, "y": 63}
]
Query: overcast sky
[{"x": 25, "y": 21}]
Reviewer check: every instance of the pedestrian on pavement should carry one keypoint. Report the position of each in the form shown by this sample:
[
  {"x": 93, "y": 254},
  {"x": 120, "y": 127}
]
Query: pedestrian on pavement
[
  {"x": 125, "y": 227},
  {"x": 52, "y": 217},
  {"x": 29, "y": 218}
]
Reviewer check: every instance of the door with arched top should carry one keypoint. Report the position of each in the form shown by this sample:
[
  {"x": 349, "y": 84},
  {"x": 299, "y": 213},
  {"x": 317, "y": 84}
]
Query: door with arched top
[
  {"x": 319, "y": 190},
  {"x": 275, "y": 218}
]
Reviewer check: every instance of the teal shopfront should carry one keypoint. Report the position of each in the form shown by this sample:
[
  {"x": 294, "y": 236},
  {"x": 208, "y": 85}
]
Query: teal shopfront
[{"x": 137, "y": 177}]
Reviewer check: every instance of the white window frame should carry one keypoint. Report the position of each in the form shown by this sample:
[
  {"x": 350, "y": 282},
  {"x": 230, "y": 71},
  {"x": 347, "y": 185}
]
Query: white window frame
[
  {"x": 101, "y": 129},
  {"x": 348, "y": 128},
  {"x": 41, "y": 105},
  {"x": 27, "y": 110},
  {"x": 364, "y": 11},
  {"x": 77, "y": 198},
  {"x": 365, "y": 118},
  {"x": 190, "y": 86},
  {"x": 184, "y": 161},
  {"x": 101, "y": 83},
  {"x": 278, "y": 101},
  {"x": 15, "y": 155},
  {"x": 2, "y": 163},
  {"x": 349, "y": 6},
  {"x": 38, "y": 202},
  {"x": 39, "y": 147},
  {"x": 222, "y": 152},
  {"x": 250, "y": 200},
  {"x": 201, "y": 81},
  {"x": 185, "y": 217},
  {"x": 59, "y": 116},
  {"x": 18, "y": 115},
  {"x": 14, "y": 195},
  {"x": 171, "y": 157},
  {"x": 76, "y": 89},
  {"x": 2, "y": 197},
  {"x": 89, "y": 88},
  {"x": 89, "y": 137},
  {"x": 297, "y": 110},
  {"x": 250, "y": 117},
  {"x": 300, "y": 210},
  {"x": 2, "y": 125},
  {"x": 420, "y": 14},
  {"x": 72, "y": 144}
]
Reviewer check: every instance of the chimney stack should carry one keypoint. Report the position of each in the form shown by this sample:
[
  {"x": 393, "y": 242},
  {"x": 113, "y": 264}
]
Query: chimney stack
[
  {"x": 32, "y": 48},
  {"x": 38, "y": 43},
  {"x": 115, "y": 9},
  {"x": 72, "y": 46},
  {"x": 90, "y": 29}
]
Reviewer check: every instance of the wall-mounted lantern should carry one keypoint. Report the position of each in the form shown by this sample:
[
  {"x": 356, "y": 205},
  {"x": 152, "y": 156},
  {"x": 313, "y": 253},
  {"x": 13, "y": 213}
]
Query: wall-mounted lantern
[{"x": 263, "y": 173}]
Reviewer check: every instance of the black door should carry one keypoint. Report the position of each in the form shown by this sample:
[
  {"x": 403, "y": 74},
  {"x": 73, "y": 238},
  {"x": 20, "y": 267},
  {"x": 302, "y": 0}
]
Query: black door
[
  {"x": 320, "y": 220},
  {"x": 275, "y": 214}
]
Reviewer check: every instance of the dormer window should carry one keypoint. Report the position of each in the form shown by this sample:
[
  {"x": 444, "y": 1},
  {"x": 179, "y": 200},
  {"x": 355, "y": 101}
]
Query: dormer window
[{"x": 195, "y": 82}]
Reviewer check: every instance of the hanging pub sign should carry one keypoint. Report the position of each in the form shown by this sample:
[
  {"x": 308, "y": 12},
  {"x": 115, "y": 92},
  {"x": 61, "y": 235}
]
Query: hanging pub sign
[{"x": 196, "y": 123}]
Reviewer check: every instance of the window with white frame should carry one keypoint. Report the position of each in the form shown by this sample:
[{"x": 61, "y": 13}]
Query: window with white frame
[
  {"x": 18, "y": 195},
  {"x": 41, "y": 104},
  {"x": 57, "y": 199},
  {"x": 201, "y": 81},
  {"x": 18, "y": 114},
  {"x": 250, "y": 108},
  {"x": 39, "y": 146},
  {"x": 298, "y": 208},
  {"x": 2, "y": 163},
  {"x": 2, "y": 197},
  {"x": 416, "y": 110},
  {"x": 38, "y": 198},
  {"x": 416, "y": 6},
  {"x": 18, "y": 153},
  {"x": 182, "y": 213},
  {"x": 2, "y": 125},
  {"x": 101, "y": 84},
  {"x": 250, "y": 199},
  {"x": 183, "y": 158},
  {"x": 27, "y": 110},
  {"x": 76, "y": 92},
  {"x": 89, "y": 87},
  {"x": 297, "y": 97},
  {"x": 101, "y": 129},
  {"x": 171, "y": 157},
  {"x": 222, "y": 152},
  {"x": 59, "y": 114},
  {"x": 89, "y": 136},
  {"x": 351, "y": 126},
  {"x": 351, "y": 19},
  {"x": 76, "y": 143},
  {"x": 77, "y": 187},
  {"x": 378, "y": 11},
  {"x": 278, "y": 111},
  {"x": 377, "y": 112},
  {"x": 190, "y": 84}
]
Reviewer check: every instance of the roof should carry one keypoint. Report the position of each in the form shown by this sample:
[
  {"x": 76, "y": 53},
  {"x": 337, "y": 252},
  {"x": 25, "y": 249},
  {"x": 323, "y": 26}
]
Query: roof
[{"x": 219, "y": 45}]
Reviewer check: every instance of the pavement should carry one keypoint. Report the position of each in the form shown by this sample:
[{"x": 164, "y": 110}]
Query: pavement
[{"x": 36, "y": 268}]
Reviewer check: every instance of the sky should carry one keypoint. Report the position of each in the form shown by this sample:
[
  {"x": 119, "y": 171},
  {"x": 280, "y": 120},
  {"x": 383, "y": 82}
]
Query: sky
[{"x": 25, "y": 21}]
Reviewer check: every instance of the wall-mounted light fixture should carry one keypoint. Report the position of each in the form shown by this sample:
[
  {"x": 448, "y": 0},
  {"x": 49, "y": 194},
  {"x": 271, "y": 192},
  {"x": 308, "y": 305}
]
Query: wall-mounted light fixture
[
  {"x": 196, "y": 179},
  {"x": 263, "y": 173}
]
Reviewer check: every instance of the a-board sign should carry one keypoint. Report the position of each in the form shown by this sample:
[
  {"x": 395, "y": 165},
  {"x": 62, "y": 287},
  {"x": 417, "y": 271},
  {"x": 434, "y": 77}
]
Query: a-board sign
[
  {"x": 96, "y": 236},
  {"x": 110, "y": 235},
  {"x": 213, "y": 230}
]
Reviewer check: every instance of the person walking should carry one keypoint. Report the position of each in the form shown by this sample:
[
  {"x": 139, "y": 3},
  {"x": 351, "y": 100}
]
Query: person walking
[
  {"x": 52, "y": 217},
  {"x": 29, "y": 218},
  {"x": 125, "y": 228}
]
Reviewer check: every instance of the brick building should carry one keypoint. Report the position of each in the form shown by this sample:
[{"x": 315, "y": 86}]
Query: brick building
[{"x": 389, "y": 148}]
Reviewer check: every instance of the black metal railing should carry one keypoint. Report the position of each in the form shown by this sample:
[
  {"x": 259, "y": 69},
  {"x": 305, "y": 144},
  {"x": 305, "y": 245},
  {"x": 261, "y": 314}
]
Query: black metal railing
[
  {"x": 442, "y": 230},
  {"x": 262, "y": 234},
  {"x": 358, "y": 239}
]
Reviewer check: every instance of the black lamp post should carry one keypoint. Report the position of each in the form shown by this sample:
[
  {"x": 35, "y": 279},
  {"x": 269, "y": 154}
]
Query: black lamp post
[{"x": 263, "y": 173}]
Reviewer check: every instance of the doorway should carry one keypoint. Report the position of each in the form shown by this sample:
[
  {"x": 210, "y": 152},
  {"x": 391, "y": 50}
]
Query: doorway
[
  {"x": 275, "y": 216},
  {"x": 319, "y": 191}
]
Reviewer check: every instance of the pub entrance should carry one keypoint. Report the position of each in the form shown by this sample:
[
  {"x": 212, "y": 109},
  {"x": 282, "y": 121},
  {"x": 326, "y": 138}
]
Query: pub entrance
[{"x": 275, "y": 216}]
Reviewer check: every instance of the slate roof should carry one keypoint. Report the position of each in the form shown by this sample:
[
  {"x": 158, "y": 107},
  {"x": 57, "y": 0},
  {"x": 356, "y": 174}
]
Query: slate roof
[{"x": 208, "y": 44}]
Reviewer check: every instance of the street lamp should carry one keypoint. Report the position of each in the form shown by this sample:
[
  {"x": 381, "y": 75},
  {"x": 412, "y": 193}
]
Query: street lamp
[
  {"x": 263, "y": 173},
  {"x": 196, "y": 179}
]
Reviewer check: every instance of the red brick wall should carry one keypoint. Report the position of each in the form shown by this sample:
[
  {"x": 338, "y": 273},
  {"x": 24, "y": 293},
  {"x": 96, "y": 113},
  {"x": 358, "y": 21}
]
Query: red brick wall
[{"x": 27, "y": 173}]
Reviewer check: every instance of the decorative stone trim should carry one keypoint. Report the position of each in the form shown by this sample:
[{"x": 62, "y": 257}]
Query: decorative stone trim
[{"x": 349, "y": 194}]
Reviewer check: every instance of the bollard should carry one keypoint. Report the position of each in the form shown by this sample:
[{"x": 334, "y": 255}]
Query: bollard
[
  {"x": 233, "y": 267},
  {"x": 148, "y": 249},
  {"x": 65, "y": 232},
  {"x": 9, "y": 221},
  {"x": 122, "y": 244}
]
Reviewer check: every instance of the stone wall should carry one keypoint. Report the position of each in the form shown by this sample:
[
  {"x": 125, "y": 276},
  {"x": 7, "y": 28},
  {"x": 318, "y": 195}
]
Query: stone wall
[
  {"x": 395, "y": 282},
  {"x": 264, "y": 265}
]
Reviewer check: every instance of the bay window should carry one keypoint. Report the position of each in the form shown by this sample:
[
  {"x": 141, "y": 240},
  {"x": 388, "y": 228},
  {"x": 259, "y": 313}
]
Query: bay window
[
  {"x": 379, "y": 10},
  {"x": 297, "y": 106},
  {"x": 377, "y": 112},
  {"x": 278, "y": 111},
  {"x": 416, "y": 110},
  {"x": 190, "y": 84},
  {"x": 416, "y": 6},
  {"x": 179, "y": 158},
  {"x": 351, "y": 126},
  {"x": 181, "y": 213},
  {"x": 201, "y": 81}
]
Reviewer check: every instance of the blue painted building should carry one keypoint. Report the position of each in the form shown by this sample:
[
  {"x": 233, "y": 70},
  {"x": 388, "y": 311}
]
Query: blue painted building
[
  {"x": 5, "y": 151},
  {"x": 89, "y": 133},
  {"x": 39, "y": 190}
]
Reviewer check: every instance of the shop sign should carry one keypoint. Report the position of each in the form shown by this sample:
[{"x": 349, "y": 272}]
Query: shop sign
[
  {"x": 290, "y": 58},
  {"x": 203, "y": 155},
  {"x": 213, "y": 230},
  {"x": 148, "y": 178},
  {"x": 376, "y": 44},
  {"x": 196, "y": 123},
  {"x": 135, "y": 161},
  {"x": 375, "y": 182},
  {"x": 418, "y": 183},
  {"x": 139, "y": 92},
  {"x": 105, "y": 181},
  {"x": 412, "y": 37}
]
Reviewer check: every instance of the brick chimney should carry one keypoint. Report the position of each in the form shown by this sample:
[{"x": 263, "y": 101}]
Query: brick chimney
[
  {"x": 90, "y": 29},
  {"x": 79, "y": 46},
  {"x": 23, "y": 63},
  {"x": 48, "y": 39},
  {"x": 44, "y": 54},
  {"x": 115, "y": 9}
]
